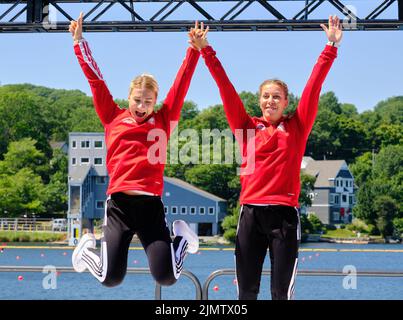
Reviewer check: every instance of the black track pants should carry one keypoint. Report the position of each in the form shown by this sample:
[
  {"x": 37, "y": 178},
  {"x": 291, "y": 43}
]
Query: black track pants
[
  {"x": 275, "y": 227},
  {"x": 144, "y": 215}
]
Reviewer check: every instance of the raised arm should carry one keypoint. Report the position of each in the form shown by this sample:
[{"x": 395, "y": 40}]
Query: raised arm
[
  {"x": 173, "y": 103},
  {"x": 233, "y": 106},
  {"x": 308, "y": 105},
  {"x": 105, "y": 107}
]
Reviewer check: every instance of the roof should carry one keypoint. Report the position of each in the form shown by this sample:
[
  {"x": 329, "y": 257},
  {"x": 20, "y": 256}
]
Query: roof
[
  {"x": 324, "y": 170},
  {"x": 57, "y": 144},
  {"x": 79, "y": 173},
  {"x": 189, "y": 187}
]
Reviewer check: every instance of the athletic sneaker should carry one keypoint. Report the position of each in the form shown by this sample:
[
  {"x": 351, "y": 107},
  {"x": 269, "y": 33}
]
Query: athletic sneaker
[
  {"x": 86, "y": 241},
  {"x": 181, "y": 228}
]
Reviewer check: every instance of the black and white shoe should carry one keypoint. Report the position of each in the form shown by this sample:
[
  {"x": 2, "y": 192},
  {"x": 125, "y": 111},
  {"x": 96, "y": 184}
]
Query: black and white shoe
[
  {"x": 181, "y": 228},
  {"x": 87, "y": 241}
]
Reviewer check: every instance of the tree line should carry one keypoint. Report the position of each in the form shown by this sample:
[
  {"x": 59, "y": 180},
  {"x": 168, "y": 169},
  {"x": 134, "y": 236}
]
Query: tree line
[{"x": 33, "y": 175}]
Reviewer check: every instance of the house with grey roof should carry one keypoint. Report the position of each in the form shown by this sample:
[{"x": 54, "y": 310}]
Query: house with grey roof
[
  {"x": 88, "y": 180},
  {"x": 333, "y": 195}
]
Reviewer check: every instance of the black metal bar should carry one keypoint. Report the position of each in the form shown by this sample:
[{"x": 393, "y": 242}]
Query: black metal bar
[
  {"x": 93, "y": 9},
  {"x": 271, "y": 9},
  {"x": 231, "y": 10},
  {"x": 18, "y": 14},
  {"x": 172, "y": 10},
  {"x": 161, "y": 10},
  {"x": 343, "y": 9},
  {"x": 10, "y": 9},
  {"x": 386, "y": 4},
  {"x": 103, "y": 11},
  {"x": 61, "y": 11},
  {"x": 303, "y": 11},
  {"x": 230, "y": 21},
  {"x": 400, "y": 9},
  {"x": 241, "y": 10},
  {"x": 130, "y": 10},
  {"x": 200, "y": 9},
  {"x": 178, "y": 26},
  {"x": 132, "y": 7},
  {"x": 306, "y": 10}
]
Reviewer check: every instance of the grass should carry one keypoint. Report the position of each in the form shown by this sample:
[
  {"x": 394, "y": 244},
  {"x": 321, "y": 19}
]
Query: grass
[
  {"x": 21, "y": 236},
  {"x": 340, "y": 233}
]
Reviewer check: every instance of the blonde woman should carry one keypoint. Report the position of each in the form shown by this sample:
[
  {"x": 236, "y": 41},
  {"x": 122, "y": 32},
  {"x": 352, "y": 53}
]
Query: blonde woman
[
  {"x": 270, "y": 186},
  {"x": 134, "y": 203}
]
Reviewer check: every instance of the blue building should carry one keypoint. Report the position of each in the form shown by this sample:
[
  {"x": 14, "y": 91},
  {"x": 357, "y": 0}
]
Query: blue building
[
  {"x": 333, "y": 197},
  {"x": 88, "y": 181}
]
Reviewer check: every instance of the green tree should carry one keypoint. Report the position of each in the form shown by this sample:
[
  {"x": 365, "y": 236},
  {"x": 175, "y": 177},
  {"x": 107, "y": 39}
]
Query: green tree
[
  {"x": 21, "y": 193},
  {"x": 22, "y": 117},
  {"x": 56, "y": 189},
  {"x": 349, "y": 110},
  {"x": 388, "y": 134},
  {"x": 362, "y": 168},
  {"x": 23, "y": 154},
  {"x": 390, "y": 110},
  {"x": 213, "y": 178},
  {"x": 307, "y": 185},
  {"x": 230, "y": 224},
  {"x": 330, "y": 102},
  {"x": 317, "y": 225},
  {"x": 386, "y": 209}
]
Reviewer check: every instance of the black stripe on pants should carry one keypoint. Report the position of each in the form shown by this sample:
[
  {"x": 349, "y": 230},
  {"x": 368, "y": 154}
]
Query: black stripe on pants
[{"x": 260, "y": 227}]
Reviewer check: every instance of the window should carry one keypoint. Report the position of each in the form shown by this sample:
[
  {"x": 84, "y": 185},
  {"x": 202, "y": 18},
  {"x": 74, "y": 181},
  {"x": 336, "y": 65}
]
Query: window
[
  {"x": 337, "y": 183},
  {"x": 100, "y": 204},
  {"x": 336, "y": 199},
  {"x": 98, "y": 144},
  {"x": 74, "y": 144},
  {"x": 85, "y": 160},
  {"x": 202, "y": 210},
  {"x": 336, "y": 216},
  {"x": 98, "y": 161},
  {"x": 166, "y": 209},
  {"x": 73, "y": 161},
  {"x": 174, "y": 210},
  {"x": 331, "y": 200},
  {"x": 343, "y": 198},
  {"x": 85, "y": 144},
  {"x": 100, "y": 180},
  {"x": 211, "y": 210},
  {"x": 350, "y": 200},
  {"x": 193, "y": 210},
  {"x": 184, "y": 210}
]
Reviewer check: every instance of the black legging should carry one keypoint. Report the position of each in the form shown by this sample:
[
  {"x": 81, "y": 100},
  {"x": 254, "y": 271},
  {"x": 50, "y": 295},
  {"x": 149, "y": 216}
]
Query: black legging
[
  {"x": 260, "y": 227},
  {"x": 144, "y": 215}
]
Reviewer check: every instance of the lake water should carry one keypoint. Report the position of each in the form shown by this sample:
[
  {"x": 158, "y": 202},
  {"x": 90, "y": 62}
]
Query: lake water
[{"x": 73, "y": 286}]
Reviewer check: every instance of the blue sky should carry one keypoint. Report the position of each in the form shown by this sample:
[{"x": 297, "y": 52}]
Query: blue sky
[{"x": 369, "y": 67}]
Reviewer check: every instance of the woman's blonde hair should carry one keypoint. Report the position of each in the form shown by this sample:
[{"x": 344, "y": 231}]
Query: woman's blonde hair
[
  {"x": 146, "y": 81},
  {"x": 278, "y": 82}
]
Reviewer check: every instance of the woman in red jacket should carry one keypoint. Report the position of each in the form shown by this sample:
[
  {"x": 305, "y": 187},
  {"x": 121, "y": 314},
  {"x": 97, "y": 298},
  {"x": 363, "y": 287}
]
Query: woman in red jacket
[
  {"x": 270, "y": 174},
  {"x": 135, "y": 179}
]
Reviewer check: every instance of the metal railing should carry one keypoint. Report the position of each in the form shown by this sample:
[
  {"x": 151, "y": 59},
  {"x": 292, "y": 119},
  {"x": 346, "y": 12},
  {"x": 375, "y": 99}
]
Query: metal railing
[
  {"x": 26, "y": 224},
  {"x": 158, "y": 289},
  {"x": 202, "y": 292},
  {"x": 320, "y": 273}
]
